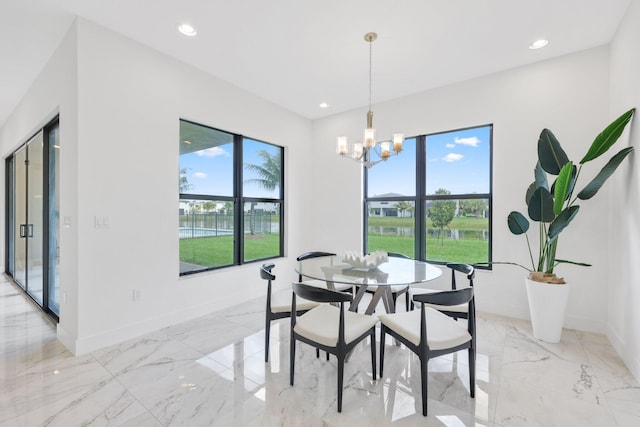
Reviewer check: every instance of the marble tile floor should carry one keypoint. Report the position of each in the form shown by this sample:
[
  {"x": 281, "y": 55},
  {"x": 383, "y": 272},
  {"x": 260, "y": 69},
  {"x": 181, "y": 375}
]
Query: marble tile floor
[{"x": 211, "y": 372}]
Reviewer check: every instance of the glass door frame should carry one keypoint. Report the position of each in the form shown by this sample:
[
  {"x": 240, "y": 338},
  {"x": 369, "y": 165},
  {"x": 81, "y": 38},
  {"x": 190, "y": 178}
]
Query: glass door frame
[{"x": 11, "y": 220}]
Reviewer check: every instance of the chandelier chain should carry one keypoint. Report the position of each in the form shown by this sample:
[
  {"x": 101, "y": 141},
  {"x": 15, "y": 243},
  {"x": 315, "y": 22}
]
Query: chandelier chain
[{"x": 370, "y": 66}]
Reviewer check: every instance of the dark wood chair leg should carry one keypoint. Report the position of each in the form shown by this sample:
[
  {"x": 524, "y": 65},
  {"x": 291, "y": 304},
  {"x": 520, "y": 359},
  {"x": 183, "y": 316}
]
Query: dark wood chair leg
[
  {"x": 340, "y": 380},
  {"x": 424, "y": 373},
  {"x": 292, "y": 359},
  {"x": 266, "y": 340},
  {"x": 382, "y": 334},
  {"x": 472, "y": 372},
  {"x": 373, "y": 353}
]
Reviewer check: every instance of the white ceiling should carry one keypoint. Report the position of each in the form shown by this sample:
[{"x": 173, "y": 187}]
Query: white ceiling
[{"x": 298, "y": 53}]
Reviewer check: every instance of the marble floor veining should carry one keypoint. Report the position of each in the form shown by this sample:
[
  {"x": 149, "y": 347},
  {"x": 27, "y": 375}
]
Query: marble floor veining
[{"x": 211, "y": 371}]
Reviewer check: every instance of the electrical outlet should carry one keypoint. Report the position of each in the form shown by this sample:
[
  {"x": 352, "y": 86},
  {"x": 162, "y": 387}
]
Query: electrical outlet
[{"x": 136, "y": 294}]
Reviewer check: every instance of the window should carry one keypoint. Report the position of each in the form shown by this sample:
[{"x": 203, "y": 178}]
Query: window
[
  {"x": 231, "y": 199},
  {"x": 433, "y": 202}
]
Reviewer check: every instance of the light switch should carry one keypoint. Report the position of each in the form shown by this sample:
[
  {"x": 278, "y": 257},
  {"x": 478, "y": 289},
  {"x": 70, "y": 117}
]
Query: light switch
[{"x": 100, "y": 221}]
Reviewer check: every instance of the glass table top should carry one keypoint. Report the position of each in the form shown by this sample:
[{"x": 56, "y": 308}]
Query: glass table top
[{"x": 397, "y": 271}]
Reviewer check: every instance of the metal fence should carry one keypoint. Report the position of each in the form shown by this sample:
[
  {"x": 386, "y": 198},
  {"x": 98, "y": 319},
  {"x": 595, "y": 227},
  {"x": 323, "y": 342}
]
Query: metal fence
[{"x": 209, "y": 224}]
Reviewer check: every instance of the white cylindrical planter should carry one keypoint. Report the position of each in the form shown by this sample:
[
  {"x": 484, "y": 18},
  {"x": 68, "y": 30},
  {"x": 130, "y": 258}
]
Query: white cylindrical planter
[{"x": 547, "y": 305}]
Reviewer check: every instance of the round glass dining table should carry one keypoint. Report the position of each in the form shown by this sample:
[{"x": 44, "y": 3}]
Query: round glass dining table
[{"x": 395, "y": 272}]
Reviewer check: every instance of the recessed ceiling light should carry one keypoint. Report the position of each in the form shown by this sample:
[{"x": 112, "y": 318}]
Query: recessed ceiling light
[
  {"x": 187, "y": 30},
  {"x": 324, "y": 105},
  {"x": 538, "y": 44}
]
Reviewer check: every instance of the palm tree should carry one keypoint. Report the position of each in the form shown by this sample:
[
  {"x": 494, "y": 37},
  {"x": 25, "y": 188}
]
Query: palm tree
[
  {"x": 268, "y": 172},
  {"x": 269, "y": 175}
]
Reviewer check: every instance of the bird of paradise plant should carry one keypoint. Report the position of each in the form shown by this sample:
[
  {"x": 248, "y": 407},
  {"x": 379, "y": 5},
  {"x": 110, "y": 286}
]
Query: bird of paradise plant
[{"x": 553, "y": 208}]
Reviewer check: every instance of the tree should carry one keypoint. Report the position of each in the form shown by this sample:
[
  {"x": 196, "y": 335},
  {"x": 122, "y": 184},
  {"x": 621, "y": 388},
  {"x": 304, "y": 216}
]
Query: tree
[
  {"x": 183, "y": 182},
  {"x": 441, "y": 213},
  {"x": 404, "y": 206},
  {"x": 268, "y": 177},
  {"x": 227, "y": 208},
  {"x": 473, "y": 207},
  {"x": 268, "y": 173},
  {"x": 208, "y": 206}
]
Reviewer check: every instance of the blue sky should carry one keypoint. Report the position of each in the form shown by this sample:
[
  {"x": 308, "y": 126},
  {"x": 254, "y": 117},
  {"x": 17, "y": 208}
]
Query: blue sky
[
  {"x": 210, "y": 171},
  {"x": 457, "y": 161}
]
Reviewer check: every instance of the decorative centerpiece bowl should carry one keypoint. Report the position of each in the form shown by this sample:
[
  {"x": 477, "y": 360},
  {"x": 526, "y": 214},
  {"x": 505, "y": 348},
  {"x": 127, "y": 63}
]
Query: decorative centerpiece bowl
[{"x": 371, "y": 261}]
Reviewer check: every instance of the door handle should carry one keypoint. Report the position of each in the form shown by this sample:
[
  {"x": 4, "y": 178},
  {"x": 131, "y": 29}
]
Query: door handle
[
  {"x": 22, "y": 230},
  {"x": 29, "y": 230}
]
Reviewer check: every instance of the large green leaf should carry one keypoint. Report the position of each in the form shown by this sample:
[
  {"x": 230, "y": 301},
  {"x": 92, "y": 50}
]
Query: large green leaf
[
  {"x": 562, "y": 221},
  {"x": 541, "y": 176},
  {"x": 550, "y": 154},
  {"x": 517, "y": 223},
  {"x": 561, "y": 187},
  {"x": 607, "y": 137},
  {"x": 529, "y": 193},
  {"x": 592, "y": 188},
  {"x": 572, "y": 183},
  {"x": 541, "y": 206}
]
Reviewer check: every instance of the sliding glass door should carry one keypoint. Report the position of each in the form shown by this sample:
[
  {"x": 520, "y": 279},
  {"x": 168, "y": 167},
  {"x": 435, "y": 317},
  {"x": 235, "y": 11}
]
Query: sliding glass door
[
  {"x": 32, "y": 244},
  {"x": 19, "y": 217},
  {"x": 51, "y": 240}
]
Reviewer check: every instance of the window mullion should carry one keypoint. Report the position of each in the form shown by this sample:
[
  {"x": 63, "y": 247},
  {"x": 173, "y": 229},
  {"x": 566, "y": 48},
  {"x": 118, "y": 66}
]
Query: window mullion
[
  {"x": 421, "y": 226},
  {"x": 238, "y": 254}
]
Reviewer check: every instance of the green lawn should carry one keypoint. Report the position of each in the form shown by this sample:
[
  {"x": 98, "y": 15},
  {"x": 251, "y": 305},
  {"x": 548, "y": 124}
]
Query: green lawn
[
  {"x": 468, "y": 250},
  {"x": 217, "y": 251}
]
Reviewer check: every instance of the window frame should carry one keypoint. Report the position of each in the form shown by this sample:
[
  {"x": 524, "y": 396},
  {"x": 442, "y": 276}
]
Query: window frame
[
  {"x": 238, "y": 200},
  {"x": 420, "y": 199}
]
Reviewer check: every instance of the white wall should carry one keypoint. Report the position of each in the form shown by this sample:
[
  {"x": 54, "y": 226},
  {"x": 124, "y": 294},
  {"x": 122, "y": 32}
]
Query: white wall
[
  {"x": 129, "y": 102},
  {"x": 569, "y": 95},
  {"x": 54, "y": 92},
  {"x": 623, "y": 284}
]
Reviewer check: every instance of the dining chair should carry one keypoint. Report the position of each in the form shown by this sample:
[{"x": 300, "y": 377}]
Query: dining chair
[
  {"x": 457, "y": 311},
  {"x": 278, "y": 307},
  {"x": 430, "y": 333},
  {"x": 321, "y": 283},
  {"x": 396, "y": 290},
  {"x": 330, "y": 328}
]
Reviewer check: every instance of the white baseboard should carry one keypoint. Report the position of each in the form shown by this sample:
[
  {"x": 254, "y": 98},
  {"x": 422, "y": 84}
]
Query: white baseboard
[
  {"x": 66, "y": 339},
  {"x": 104, "y": 339}
]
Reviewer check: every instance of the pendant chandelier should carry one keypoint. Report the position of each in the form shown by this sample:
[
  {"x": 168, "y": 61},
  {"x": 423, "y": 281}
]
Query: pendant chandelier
[{"x": 362, "y": 152}]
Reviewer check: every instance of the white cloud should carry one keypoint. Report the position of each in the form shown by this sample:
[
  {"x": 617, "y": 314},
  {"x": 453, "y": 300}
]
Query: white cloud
[
  {"x": 212, "y": 152},
  {"x": 199, "y": 175},
  {"x": 450, "y": 145},
  {"x": 452, "y": 157},
  {"x": 472, "y": 142}
]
